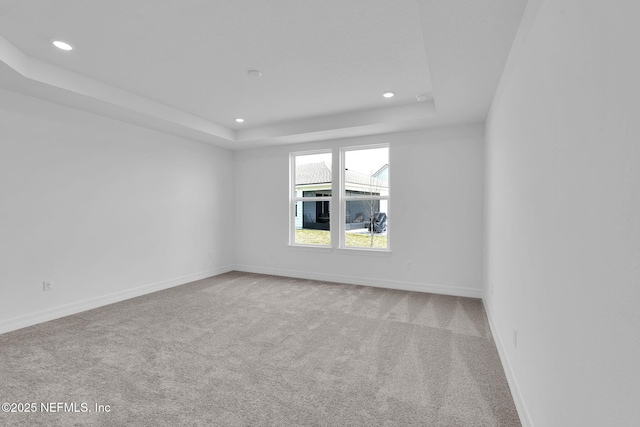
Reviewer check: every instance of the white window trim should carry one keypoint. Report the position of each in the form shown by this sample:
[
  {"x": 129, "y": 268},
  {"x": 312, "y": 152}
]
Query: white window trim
[
  {"x": 293, "y": 199},
  {"x": 343, "y": 201},
  {"x": 337, "y": 201}
]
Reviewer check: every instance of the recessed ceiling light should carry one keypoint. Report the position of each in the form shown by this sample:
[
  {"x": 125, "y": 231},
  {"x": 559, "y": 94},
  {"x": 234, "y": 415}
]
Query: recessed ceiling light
[
  {"x": 388, "y": 94},
  {"x": 239, "y": 120},
  {"x": 254, "y": 73},
  {"x": 62, "y": 45}
]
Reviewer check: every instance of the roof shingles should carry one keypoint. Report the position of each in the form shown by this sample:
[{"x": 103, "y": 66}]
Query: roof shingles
[{"x": 320, "y": 173}]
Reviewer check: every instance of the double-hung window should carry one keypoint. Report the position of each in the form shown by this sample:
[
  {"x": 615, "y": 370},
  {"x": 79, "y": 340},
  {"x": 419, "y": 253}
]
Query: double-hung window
[
  {"x": 365, "y": 197},
  {"x": 354, "y": 210},
  {"x": 311, "y": 189}
]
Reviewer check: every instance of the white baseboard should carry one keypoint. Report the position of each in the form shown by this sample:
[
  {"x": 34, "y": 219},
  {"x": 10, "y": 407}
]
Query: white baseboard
[
  {"x": 31, "y": 319},
  {"x": 365, "y": 281},
  {"x": 521, "y": 407}
]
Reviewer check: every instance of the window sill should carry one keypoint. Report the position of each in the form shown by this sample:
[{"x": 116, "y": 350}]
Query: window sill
[
  {"x": 342, "y": 251},
  {"x": 311, "y": 248},
  {"x": 365, "y": 252}
]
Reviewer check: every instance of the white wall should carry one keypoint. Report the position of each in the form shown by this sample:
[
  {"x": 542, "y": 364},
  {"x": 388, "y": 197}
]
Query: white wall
[
  {"x": 436, "y": 215},
  {"x": 563, "y": 214},
  {"x": 106, "y": 209}
]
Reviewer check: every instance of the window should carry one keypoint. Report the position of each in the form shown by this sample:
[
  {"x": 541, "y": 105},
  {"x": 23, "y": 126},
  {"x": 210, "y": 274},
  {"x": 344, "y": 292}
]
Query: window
[
  {"x": 362, "y": 196},
  {"x": 365, "y": 197},
  {"x": 311, "y": 191}
]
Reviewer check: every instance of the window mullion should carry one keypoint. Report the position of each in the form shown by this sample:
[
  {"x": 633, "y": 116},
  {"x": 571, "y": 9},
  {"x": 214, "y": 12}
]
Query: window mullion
[{"x": 336, "y": 188}]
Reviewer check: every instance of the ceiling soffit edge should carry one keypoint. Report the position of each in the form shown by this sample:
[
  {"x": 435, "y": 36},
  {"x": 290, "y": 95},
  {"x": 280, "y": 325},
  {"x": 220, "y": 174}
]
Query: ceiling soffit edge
[{"x": 50, "y": 81}]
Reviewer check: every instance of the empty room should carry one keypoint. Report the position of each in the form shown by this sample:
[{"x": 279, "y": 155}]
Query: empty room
[{"x": 319, "y": 213}]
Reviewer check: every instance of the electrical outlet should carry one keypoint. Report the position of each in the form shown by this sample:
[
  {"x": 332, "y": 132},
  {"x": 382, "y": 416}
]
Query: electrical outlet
[
  {"x": 47, "y": 285},
  {"x": 409, "y": 265},
  {"x": 515, "y": 337}
]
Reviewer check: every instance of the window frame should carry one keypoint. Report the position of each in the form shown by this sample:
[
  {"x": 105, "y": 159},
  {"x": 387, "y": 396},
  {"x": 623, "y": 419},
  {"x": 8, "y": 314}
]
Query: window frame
[
  {"x": 337, "y": 201},
  {"x": 293, "y": 199},
  {"x": 343, "y": 198}
]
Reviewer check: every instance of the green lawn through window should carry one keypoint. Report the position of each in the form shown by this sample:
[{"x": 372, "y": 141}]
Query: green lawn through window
[{"x": 322, "y": 237}]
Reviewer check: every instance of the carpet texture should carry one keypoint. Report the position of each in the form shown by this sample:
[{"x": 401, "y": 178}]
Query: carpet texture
[{"x": 244, "y": 349}]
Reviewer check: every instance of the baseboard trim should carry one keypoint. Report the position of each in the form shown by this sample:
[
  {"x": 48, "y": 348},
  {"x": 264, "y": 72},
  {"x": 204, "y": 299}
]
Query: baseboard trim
[
  {"x": 31, "y": 319},
  {"x": 521, "y": 407},
  {"x": 356, "y": 280}
]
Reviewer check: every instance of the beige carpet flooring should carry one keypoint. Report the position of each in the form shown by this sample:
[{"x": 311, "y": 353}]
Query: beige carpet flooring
[{"x": 244, "y": 349}]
